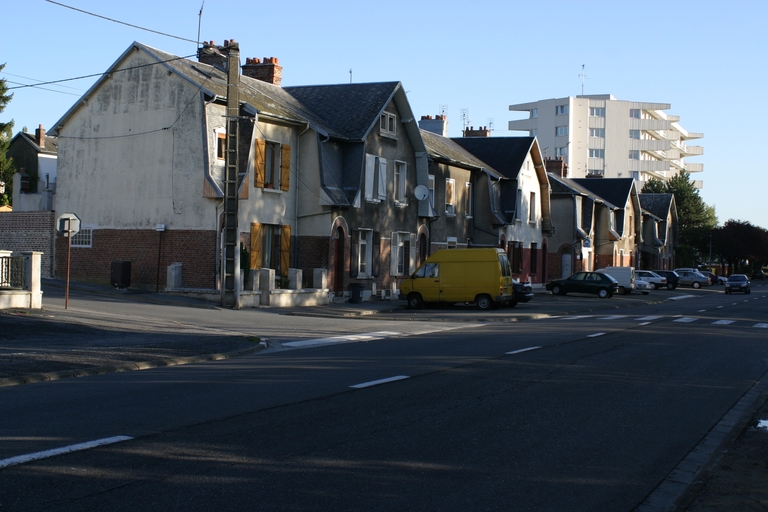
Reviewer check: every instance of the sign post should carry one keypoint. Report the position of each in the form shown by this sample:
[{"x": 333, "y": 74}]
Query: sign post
[{"x": 68, "y": 225}]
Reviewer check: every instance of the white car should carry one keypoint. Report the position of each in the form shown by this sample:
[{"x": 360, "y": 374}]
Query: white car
[
  {"x": 655, "y": 279},
  {"x": 642, "y": 285}
]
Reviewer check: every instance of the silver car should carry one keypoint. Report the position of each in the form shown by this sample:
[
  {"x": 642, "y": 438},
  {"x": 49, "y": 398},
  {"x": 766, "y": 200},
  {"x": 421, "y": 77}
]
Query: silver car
[
  {"x": 655, "y": 279},
  {"x": 692, "y": 278}
]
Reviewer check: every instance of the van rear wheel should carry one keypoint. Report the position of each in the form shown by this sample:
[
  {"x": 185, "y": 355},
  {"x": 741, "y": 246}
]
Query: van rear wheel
[
  {"x": 415, "y": 301},
  {"x": 484, "y": 301}
]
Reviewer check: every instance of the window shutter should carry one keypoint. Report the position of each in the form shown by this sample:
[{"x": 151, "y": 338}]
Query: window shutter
[
  {"x": 411, "y": 254},
  {"x": 393, "y": 254},
  {"x": 382, "y": 189},
  {"x": 255, "y": 245},
  {"x": 285, "y": 167},
  {"x": 376, "y": 254},
  {"x": 406, "y": 255},
  {"x": 259, "y": 163},
  {"x": 285, "y": 249},
  {"x": 370, "y": 169},
  {"x": 353, "y": 267}
]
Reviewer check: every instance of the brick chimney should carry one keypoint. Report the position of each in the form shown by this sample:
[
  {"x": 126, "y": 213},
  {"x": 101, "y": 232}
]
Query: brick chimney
[
  {"x": 267, "y": 71},
  {"x": 557, "y": 166},
  {"x": 213, "y": 55},
  {"x": 480, "y": 132},
  {"x": 40, "y": 136},
  {"x": 437, "y": 124}
]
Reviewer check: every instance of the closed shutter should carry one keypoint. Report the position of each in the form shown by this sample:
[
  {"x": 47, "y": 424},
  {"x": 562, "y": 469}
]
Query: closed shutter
[
  {"x": 411, "y": 255},
  {"x": 406, "y": 254},
  {"x": 370, "y": 171},
  {"x": 376, "y": 254},
  {"x": 259, "y": 163},
  {"x": 382, "y": 188},
  {"x": 285, "y": 249},
  {"x": 285, "y": 167},
  {"x": 255, "y": 245},
  {"x": 353, "y": 246}
]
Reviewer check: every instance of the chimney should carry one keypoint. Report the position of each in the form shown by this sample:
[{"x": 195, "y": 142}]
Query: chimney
[
  {"x": 40, "y": 136},
  {"x": 267, "y": 71},
  {"x": 557, "y": 166},
  {"x": 480, "y": 132},
  {"x": 438, "y": 124},
  {"x": 212, "y": 55}
]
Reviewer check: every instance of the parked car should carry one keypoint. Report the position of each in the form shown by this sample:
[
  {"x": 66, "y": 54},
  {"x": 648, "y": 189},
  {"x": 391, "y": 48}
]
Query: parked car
[
  {"x": 714, "y": 278},
  {"x": 643, "y": 286},
  {"x": 655, "y": 279},
  {"x": 672, "y": 278},
  {"x": 692, "y": 277},
  {"x": 737, "y": 283},
  {"x": 603, "y": 285},
  {"x": 624, "y": 275},
  {"x": 758, "y": 274},
  {"x": 523, "y": 292}
]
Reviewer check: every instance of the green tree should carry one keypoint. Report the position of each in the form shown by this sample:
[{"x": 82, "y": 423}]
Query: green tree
[{"x": 7, "y": 168}]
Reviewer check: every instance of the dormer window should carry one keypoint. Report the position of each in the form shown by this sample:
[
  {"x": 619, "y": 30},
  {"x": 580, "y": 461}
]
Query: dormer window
[{"x": 388, "y": 124}]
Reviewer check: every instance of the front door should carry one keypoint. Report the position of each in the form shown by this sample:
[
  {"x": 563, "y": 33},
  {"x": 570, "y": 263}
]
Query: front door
[
  {"x": 338, "y": 278},
  {"x": 565, "y": 264}
]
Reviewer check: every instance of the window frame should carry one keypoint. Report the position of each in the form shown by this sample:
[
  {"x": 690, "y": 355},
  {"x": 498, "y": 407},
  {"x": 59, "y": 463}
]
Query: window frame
[
  {"x": 561, "y": 110},
  {"x": 399, "y": 175},
  {"x": 83, "y": 239},
  {"x": 450, "y": 184},
  {"x": 597, "y": 111},
  {"x": 561, "y": 131},
  {"x": 596, "y": 153},
  {"x": 469, "y": 205},
  {"x": 633, "y": 132},
  {"x": 365, "y": 253},
  {"x": 598, "y": 133},
  {"x": 388, "y": 124},
  {"x": 634, "y": 154},
  {"x": 532, "y": 207}
]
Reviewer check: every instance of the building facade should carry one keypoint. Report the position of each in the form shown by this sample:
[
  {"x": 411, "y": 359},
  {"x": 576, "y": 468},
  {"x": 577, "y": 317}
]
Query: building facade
[{"x": 599, "y": 135}]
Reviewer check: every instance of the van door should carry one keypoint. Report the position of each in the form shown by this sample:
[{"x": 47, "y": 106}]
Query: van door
[{"x": 426, "y": 281}]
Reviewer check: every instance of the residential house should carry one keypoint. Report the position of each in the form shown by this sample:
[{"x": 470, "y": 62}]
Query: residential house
[
  {"x": 660, "y": 231},
  {"x": 524, "y": 200},
  {"x": 35, "y": 156}
]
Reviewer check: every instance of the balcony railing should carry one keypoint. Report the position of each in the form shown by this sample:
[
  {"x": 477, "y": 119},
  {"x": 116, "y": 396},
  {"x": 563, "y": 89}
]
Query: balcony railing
[{"x": 11, "y": 272}]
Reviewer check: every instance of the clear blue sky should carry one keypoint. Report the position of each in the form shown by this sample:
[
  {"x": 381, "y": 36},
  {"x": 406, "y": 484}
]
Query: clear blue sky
[{"x": 706, "y": 59}]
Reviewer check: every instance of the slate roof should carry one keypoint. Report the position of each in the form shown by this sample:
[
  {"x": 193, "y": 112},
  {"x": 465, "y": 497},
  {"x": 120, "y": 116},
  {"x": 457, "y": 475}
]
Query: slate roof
[
  {"x": 657, "y": 204},
  {"x": 505, "y": 154},
  {"x": 614, "y": 190},
  {"x": 50, "y": 145},
  {"x": 448, "y": 151}
]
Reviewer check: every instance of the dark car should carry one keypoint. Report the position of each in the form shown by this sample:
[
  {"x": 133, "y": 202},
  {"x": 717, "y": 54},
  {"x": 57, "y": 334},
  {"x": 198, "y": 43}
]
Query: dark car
[
  {"x": 737, "y": 283},
  {"x": 713, "y": 278},
  {"x": 523, "y": 292},
  {"x": 758, "y": 274},
  {"x": 600, "y": 284},
  {"x": 672, "y": 278}
]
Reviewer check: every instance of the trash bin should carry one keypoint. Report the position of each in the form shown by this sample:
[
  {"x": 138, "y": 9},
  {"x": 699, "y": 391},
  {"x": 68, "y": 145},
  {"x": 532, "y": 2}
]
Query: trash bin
[{"x": 355, "y": 293}]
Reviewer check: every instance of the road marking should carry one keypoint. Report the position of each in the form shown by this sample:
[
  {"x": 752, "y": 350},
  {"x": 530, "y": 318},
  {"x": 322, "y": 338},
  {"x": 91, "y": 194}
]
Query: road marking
[
  {"x": 340, "y": 339},
  {"x": 761, "y": 326},
  {"x": 685, "y": 319},
  {"x": 723, "y": 322},
  {"x": 644, "y": 323},
  {"x": 575, "y": 317},
  {"x": 520, "y": 351},
  {"x": 380, "y": 381},
  {"x": 702, "y": 310},
  {"x": 595, "y": 335},
  {"x": 612, "y": 317},
  {"x": 21, "y": 459},
  {"x": 648, "y": 318},
  {"x": 681, "y": 297},
  {"x": 718, "y": 307}
]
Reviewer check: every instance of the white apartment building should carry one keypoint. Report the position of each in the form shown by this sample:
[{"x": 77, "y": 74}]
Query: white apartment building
[{"x": 600, "y": 135}]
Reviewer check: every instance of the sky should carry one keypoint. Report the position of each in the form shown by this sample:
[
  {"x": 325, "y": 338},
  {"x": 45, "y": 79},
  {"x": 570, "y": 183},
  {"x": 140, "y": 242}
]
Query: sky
[{"x": 468, "y": 60}]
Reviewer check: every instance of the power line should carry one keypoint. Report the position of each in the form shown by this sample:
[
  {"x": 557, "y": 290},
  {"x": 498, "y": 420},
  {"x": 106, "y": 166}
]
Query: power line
[{"x": 122, "y": 22}]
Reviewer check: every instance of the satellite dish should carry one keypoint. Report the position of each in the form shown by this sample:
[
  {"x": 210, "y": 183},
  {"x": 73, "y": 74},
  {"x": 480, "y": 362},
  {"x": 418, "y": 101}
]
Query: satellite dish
[{"x": 421, "y": 192}]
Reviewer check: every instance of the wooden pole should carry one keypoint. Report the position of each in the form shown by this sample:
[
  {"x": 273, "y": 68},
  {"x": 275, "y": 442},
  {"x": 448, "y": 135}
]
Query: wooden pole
[{"x": 69, "y": 248}]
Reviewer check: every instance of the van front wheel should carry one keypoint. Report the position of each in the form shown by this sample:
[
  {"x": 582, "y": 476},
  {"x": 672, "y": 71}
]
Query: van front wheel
[
  {"x": 484, "y": 302},
  {"x": 415, "y": 301}
]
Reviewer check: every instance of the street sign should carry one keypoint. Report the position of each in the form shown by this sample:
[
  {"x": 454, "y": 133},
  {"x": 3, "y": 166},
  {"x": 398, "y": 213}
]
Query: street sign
[{"x": 68, "y": 224}]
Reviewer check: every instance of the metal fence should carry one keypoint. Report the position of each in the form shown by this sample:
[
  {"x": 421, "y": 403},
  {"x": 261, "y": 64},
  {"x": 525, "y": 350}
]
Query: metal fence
[{"x": 11, "y": 272}]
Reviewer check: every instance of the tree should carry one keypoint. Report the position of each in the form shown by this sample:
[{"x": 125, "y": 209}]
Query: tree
[
  {"x": 7, "y": 168},
  {"x": 738, "y": 242}
]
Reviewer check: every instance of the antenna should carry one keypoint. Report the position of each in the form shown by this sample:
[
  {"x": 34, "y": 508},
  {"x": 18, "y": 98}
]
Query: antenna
[
  {"x": 350, "y": 75},
  {"x": 583, "y": 76},
  {"x": 490, "y": 124},
  {"x": 200, "y": 22},
  {"x": 465, "y": 120},
  {"x": 442, "y": 109}
]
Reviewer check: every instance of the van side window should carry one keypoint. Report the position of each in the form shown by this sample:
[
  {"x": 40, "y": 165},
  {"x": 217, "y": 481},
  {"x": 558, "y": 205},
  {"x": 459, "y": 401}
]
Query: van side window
[
  {"x": 428, "y": 270},
  {"x": 506, "y": 269}
]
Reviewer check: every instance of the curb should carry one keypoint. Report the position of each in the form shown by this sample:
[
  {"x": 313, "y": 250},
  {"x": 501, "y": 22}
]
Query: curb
[{"x": 125, "y": 367}]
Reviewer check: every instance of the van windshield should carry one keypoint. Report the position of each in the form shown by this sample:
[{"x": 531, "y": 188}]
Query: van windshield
[{"x": 428, "y": 270}]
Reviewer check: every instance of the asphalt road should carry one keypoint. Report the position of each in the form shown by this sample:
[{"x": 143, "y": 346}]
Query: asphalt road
[{"x": 587, "y": 411}]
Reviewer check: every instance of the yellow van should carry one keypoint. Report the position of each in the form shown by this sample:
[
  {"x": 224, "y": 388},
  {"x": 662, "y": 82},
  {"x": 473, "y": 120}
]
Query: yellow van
[{"x": 480, "y": 275}]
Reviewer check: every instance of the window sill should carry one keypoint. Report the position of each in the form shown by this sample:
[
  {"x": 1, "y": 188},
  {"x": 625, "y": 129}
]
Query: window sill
[
  {"x": 388, "y": 135},
  {"x": 373, "y": 201},
  {"x": 450, "y": 215},
  {"x": 469, "y": 217},
  {"x": 272, "y": 191},
  {"x": 400, "y": 204}
]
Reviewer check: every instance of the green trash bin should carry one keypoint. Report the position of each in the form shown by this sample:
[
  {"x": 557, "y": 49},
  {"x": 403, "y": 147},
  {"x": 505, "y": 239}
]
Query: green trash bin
[{"x": 355, "y": 293}]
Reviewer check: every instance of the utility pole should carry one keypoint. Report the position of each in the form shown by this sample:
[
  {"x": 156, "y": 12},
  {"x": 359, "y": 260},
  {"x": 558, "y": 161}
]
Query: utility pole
[{"x": 230, "y": 259}]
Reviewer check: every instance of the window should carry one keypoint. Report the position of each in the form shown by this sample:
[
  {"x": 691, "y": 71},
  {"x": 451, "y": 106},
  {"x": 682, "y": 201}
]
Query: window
[
  {"x": 401, "y": 250},
  {"x": 532, "y": 208},
  {"x": 375, "y": 178},
  {"x": 534, "y": 257},
  {"x": 516, "y": 256},
  {"x": 561, "y": 152},
  {"x": 452, "y": 242},
  {"x": 399, "y": 182},
  {"x": 364, "y": 252},
  {"x": 561, "y": 131},
  {"x": 83, "y": 238},
  {"x": 634, "y": 113},
  {"x": 428, "y": 270},
  {"x": 596, "y": 153},
  {"x": 561, "y": 110},
  {"x": 519, "y": 205},
  {"x": 634, "y": 134},
  {"x": 272, "y": 165},
  {"x": 450, "y": 185},
  {"x": 271, "y": 247},
  {"x": 221, "y": 145},
  {"x": 634, "y": 154},
  {"x": 431, "y": 186},
  {"x": 597, "y": 132},
  {"x": 468, "y": 205},
  {"x": 597, "y": 111},
  {"x": 388, "y": 124},
  {"x": 534, "y": 113}
]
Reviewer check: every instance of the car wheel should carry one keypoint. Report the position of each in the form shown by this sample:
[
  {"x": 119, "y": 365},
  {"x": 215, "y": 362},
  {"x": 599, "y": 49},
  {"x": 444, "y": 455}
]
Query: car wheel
[
  {"x": 727, "y": 292},
  {"x": 603, "y": 293},
  {"x": 556, "y": 290},
  {"x": 654, "y": 286},
  {"x": 670, "y": 286},
  {"x": 484, "y": 302},
  {"x": 415, "y": 301},
  {"x": 696, "y": 285}
]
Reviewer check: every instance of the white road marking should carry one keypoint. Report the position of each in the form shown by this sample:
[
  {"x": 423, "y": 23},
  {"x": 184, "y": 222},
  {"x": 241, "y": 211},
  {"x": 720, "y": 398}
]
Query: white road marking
[
  {"x": 685, "y": 319},
  {"x": 575, "y": 317},
  {"x": 718, "y": 307},
  {"x": 595, "y": 335},
  {"x": 648, "y": 318},
  {"x": 761, "y": 326},
  {"x": 520, "y": 351},
  {"x": 380, "y": 381},
  {"x": 681, "y": 297},
  {"x": 21, "y": 459},
  {"x": 612, "y": 317},
  {"x": 370, "y": 336},
  {"x": 702, "y": 310},
  {"x": 644, "y": 323},
  {"x": 723, "y": 322}
]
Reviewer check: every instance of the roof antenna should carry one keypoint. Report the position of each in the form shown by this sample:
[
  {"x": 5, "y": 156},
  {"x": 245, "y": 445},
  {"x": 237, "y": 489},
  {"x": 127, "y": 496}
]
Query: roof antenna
[
  {"x": 583, "y": 76},
  {"x": 350, "y": 75},
  {"x": 199, "y": 22}
]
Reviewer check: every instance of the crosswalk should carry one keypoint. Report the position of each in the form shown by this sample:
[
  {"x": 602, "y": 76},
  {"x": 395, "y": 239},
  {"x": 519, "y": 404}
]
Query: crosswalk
[{"x": 645, "y": 320}]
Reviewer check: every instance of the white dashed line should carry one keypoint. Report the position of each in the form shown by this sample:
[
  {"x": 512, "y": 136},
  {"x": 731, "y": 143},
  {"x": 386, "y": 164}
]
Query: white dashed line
[
  {"x": 520, "y": 351},
  {"x": 648, "y": 318},
  {"x": 681, "y": 297},
  {"x": 380, "y": 381},
  {"x": 723, "y": 322},
  {"x": 612, "y": 317},
  {"x": 596, "y": 335},
  {"x": 644, "y": 323},
  {"x": 684, "y": 319},
  {"x": 761, "y": 326},
  {"x": 21, "y": 459},
  {"x": 575, "y": 317}
]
